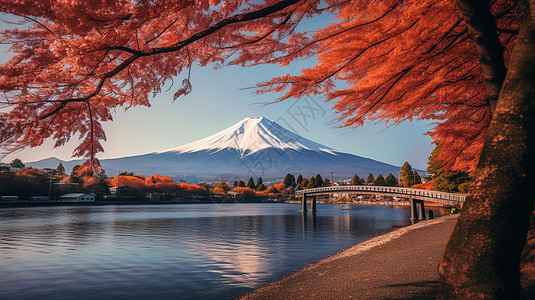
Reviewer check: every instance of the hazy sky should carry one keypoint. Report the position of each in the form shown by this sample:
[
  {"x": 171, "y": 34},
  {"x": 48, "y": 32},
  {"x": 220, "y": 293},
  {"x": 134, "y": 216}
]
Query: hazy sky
[{"x": 219, "y": 100}]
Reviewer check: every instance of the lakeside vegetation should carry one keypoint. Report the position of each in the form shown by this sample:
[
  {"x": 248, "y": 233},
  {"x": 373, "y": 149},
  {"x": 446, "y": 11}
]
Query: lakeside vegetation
[{"x": 17, "y": 180}]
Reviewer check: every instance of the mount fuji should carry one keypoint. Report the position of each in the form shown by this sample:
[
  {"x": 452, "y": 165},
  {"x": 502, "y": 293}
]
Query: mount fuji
[{"x": 251, "y": 147}]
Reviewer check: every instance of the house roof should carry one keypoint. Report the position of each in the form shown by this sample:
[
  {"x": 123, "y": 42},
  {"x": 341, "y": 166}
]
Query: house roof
[{"x": 76, "y": 195}]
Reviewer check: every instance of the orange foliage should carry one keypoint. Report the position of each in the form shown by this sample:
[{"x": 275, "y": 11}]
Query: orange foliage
[
  {"x": 386, "y": 60},
  {"x": 243, "y": 192},
  {"x": 423, "y": 186},
  {"x": 155, "y": 182},
  {"x": 83, "y": 59},
  {"x": 191, "y": 188},
  {"x": 89, "y": 180},
  {"x": 279, "y": 186},
  {"x": 224, "y": 186},
  {"x": 397, "y": 60},
  {"x": 218, "y": 191},
  {"x": 131, "y": 181}
]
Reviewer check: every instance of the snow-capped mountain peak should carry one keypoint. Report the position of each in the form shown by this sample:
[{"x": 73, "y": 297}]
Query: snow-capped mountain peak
[{"x": 251, "y": 135}]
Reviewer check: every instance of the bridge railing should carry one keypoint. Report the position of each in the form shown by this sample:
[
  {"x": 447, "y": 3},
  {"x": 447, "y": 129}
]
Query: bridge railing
[{"x": 385, "y": 189}]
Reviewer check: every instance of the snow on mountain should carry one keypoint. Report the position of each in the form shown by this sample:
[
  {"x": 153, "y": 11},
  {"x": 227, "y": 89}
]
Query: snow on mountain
[
  {"x": 251, "y": 135},
  {"x": 252, "y": 147}
]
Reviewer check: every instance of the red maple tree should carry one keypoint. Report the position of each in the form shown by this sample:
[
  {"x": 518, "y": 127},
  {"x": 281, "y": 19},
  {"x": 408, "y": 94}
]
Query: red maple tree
[
  {"x": 401, "y": 60},
  {"x": 75, "y": 62},
  {"x": 398, "y": 61},
  {"x": 389, "y": 60}
]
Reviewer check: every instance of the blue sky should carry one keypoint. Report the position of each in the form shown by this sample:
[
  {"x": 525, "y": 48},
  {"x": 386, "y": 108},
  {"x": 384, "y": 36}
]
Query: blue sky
[{"x": 219, "y": 100}]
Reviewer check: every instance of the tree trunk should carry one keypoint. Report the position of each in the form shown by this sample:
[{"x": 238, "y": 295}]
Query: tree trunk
[
  {"x": 483, "y": 255},
  {"x": 482, "y": 30}
]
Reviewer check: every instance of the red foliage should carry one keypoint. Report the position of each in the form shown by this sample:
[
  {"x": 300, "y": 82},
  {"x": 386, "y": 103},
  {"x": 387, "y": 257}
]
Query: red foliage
[
  {"x": 279, "y": 186},
  {"x": 243, "y": 192},
  {"x": 218, "y": 191},
  {"x": 394, "y": 61},
  {"x": 131, "y": 181},
  {"x": 388, "y": 60},
  {"x": 157, "y": 183},
  {"x": 423, "y": 186},
  {"x": 75, "y": 62}
]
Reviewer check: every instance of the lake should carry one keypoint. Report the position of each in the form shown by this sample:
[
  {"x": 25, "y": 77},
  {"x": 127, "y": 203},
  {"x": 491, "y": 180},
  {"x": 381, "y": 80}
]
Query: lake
[{"x": 182, "y": 251}]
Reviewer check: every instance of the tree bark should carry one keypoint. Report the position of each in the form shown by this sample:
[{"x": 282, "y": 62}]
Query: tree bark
[
  {"x": 483, "y": 31},
  {"x": 483, "y": 255}
]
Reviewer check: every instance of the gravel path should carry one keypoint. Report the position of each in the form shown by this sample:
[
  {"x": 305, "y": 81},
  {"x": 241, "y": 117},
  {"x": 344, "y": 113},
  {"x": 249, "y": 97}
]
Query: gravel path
[{"x": 399, "y": 265}]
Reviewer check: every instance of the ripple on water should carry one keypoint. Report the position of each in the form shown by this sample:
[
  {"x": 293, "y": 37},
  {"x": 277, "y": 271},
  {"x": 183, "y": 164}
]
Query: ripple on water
[{"x": 171, "y": 251}]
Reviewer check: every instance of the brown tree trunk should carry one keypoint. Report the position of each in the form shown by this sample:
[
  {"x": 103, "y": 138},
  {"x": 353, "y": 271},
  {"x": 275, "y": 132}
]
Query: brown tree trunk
[
  {"x": 483, "y": 255},
  {"x": 482, "y": 30}
]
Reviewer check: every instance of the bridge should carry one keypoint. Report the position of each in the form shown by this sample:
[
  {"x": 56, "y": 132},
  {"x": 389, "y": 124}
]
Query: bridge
[{"x": 415, "y": 196}]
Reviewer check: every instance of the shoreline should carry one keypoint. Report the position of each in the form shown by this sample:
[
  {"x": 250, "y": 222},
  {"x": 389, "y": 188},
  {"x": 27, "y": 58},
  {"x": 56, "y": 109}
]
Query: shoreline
[{"x": 379, "y": 268}]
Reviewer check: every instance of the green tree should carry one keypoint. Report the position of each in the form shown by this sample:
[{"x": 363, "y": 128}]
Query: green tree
[
  {"x": 259, "y": 181},
  {"x": 60, "y": 169},
  {"x": 451, "y": 181},
  {"x": 380, "y": 180},
  {"x": 327, "y": 182},
  {"x": 434, "y": 166},
  {"x": 311, "y": 183},
  {"x": 235, "y": 184},
  {"x": 74, "y": 175},
  {"x": 319, "y": 180},
  {"x": 304, "y": 183},
  {"x": 260, "y": 187},
  {"x": 416, "y": 177},
  {"x": 17, "y": 163},
  {"x": 447, "y": 181},
  {"x": 299, "y": 178},
  {"x": 463, "y": 187},
  {"x": 125, "y": 173},
  {"x": 288, "y": 180},
  {"x": 406, "y": 177},
  {"x": 391, "y": 180},
  {"x": 355, "y": 180},
  {"x": 250, "y": 183},
  {"x": 370, "y": 179},
  {"x": 241, "y": 183}
]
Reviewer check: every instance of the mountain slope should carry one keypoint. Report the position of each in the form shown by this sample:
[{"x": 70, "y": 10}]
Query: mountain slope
[{"x": 251, "y": 147}]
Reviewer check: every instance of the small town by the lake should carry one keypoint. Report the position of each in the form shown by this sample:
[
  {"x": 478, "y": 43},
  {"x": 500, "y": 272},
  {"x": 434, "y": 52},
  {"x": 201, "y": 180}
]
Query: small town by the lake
[{"x": 283, "y": 149}]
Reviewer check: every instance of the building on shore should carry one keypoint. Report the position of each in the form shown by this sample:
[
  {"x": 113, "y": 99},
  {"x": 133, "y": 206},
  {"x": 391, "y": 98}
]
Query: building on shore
[
  {"x": 77, "y": 197},
  {"x": 154, "y": 196}
]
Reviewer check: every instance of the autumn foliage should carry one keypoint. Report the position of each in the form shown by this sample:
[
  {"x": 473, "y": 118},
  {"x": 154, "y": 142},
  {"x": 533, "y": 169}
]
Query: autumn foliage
[
  {"x": 76, "y": 62},
  {"x": 23, "y": 183},
  {"x": 279, "y": 186},
  {"x": 423, "y": 186},
  {"x": 243, "y": 192},
  {"x": 156, "y": 183},
  {"x": 399, "y": 61}
]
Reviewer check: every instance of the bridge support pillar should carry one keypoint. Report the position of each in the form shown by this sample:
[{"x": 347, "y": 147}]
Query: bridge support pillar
[
  {"x": 313, "y": 204},
  {"x": 417, "y": 210},
  {"x": 421, "y": 214},
  {"x": 414, "y": 210},
  {"x": 304, "y": 203}
]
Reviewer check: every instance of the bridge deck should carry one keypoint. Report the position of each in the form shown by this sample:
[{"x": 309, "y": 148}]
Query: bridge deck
[{"x": 431, "y": 196}]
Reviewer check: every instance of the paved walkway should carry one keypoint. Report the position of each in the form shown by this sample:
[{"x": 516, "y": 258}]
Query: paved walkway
[{"x": 399, "y": 265}]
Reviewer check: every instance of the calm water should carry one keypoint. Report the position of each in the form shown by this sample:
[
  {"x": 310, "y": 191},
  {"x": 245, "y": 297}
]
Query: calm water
[{"x": 204, "y": 251}]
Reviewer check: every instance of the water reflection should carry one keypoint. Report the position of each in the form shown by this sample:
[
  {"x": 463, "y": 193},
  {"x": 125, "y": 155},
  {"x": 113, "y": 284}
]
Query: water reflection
[{"x": 171, "y": 251}]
